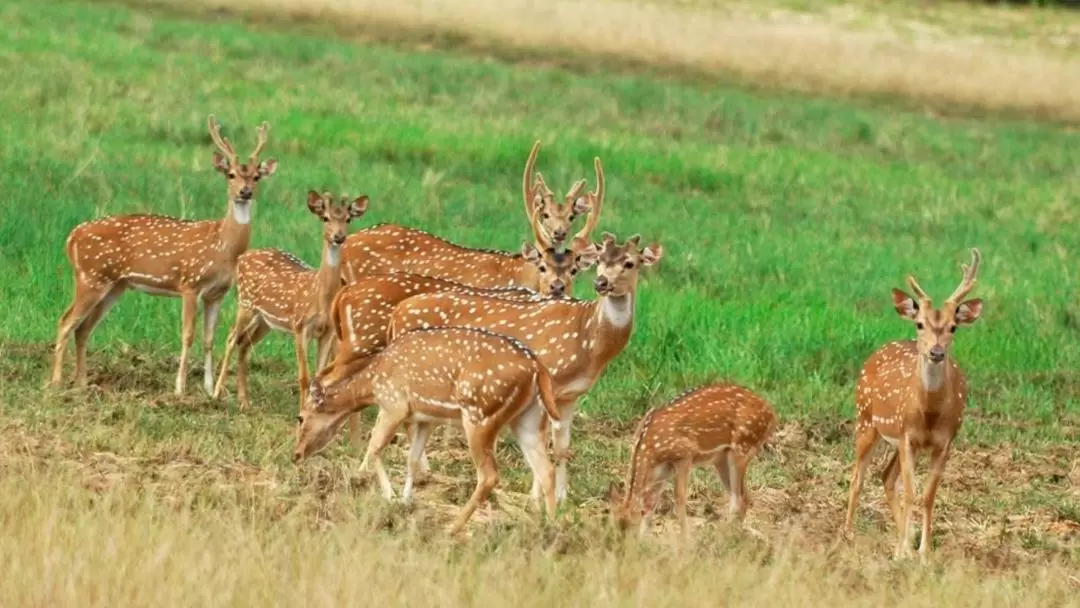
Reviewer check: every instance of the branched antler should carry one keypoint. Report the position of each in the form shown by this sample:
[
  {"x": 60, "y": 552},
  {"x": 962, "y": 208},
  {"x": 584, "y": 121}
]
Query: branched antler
[
  {"x": 968, "y": 282},
  {"x": 222, "y": 143},
  {"x": 530, "y": 191},
  {"x": 263, "y": 128},
  {"x": 596, "y": 200}
]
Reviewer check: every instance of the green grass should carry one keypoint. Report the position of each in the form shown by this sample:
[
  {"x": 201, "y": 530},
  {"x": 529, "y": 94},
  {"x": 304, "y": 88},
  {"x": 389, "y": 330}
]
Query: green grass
[{"x": 786, "y": 220}]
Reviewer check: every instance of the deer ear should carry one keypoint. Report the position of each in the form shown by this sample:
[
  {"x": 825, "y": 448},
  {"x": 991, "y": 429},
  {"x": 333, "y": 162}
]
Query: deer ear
[
  {"x": 316, "y": 203},
  {"x": 581, "y": 206},
  {"x": 968, "y": 311},
  {"x": 587, "y": 255},
  {"x": 652, "y": 254},
  {"x": 905, "y": 305},
  {"x": 530, "y": 253},
  {"x": 221, "y": 164},
  {"x": 267, "y": 167},
  {"x": 358, "y": 207}
]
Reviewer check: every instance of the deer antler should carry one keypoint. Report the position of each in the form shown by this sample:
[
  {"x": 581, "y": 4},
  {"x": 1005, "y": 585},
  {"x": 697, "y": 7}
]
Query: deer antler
[
  {"x": 575, "y": 191},
  {"x": 528, "y": 192},
  {"x": 924, "y": 299},
  {"x": 263, "y": 128},
  {"x": 540, "y": 235},
  {"x": 221, "y": 142},
  {"x": 968, "y": 282},
  {"x": 596, "y": 200}
]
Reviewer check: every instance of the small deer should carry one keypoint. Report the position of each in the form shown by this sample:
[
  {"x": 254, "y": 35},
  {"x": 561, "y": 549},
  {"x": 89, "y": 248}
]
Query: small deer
[
  {"x": 552, "y": 218},
  {"x": 482, "y": 379},
  {"x": 575, "y": 340},
  {"x": 912, "y": 394},
  {"x": 723, "y": 425},
  {"x": 159, "y": 255},
  {"x": 279, "y": 291},
  {"x": 387, "y": 248}
]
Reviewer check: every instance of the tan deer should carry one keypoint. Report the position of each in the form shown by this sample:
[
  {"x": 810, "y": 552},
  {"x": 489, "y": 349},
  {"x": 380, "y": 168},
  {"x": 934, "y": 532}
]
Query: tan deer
[
  {"x": 575, "y": 340},
  {"x": 546, "y": 214},
  {"x": 387, "y": 248},
  {"x": 159, "y": 255},
  {"x": 481, "y": 379},
  {"x": 912, "y": 394},
  {"x": 723, "y": 425},
  {"x": 277, "y": 290}
]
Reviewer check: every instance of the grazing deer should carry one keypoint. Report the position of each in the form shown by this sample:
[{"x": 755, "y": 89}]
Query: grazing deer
[
  {"x": 387, "y": 248},
  {"x": 483, "y": 380},
  {"x": 575, "y": 340},
  {"x": 279, "y": 291},
  {"x": 159, "y": 255},
  {"x": 723, "y": 425},
  {"x": 912, "y": 394}
]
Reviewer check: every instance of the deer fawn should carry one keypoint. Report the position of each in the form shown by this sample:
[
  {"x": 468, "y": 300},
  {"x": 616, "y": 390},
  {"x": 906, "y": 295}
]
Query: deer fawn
[
  {"x": 723, "y": 425},
  {"x": 159, "y": 255},
  {"x": 482, "y": 379},
  {"x": 279, "y": 291},
  {"x": 390, "y": 248},
  {"x": 912, "y": 394},
  {"x": 575, "y": 340}
]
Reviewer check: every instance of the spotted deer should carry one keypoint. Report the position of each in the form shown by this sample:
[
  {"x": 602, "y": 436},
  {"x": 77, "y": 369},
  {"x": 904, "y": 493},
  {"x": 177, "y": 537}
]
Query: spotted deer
[
  {"x": 912, "y": 394},
  {"x": 483, "y": 380},
  {"x": 165, "y": 256},
  {"x": 552, "y": 218},
  {"x": 277, "y": 290},
  {"x": 575, "y": 340},
  {"x": 723, "y": 425},
  {"x": 387, "y": 248}
]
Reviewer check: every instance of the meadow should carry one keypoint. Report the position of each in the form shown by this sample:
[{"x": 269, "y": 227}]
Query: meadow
[{"x": 786, "y": 219}]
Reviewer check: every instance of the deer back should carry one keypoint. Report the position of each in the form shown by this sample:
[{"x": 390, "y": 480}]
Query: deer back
[
  {"x": 154, "y": 253},
  {"x": 277, "y": 284}
]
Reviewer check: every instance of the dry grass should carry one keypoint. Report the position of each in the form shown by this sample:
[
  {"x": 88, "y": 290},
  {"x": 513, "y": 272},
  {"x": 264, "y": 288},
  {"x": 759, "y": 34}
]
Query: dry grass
[{"x": 988, "y": 60}]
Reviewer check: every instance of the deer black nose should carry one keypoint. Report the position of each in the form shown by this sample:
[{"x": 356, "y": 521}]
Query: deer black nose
[
  {"x": 558, "y": 288},
  {"x": 601, "y": 283},
  {"x": 559, "y": 235},
  {"x": 245, "y": 192},
  {"x": 937, "y": 354},
  {"x": 339, "y": 239}
]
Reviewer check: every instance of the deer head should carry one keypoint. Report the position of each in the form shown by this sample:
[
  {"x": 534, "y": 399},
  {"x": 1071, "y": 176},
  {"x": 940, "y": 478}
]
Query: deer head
[
  {"x": 243, "y": 178},
  {"x": 617, "y": 266},
  {"x": 552, "y": 218},
  {"x": 336, "y": 217},
  {"x": 936, "y": 327},
  {"x": 557, "y": 270},
  {"x": 626, "y": 510},
  {"x": 318, "y": 421}
]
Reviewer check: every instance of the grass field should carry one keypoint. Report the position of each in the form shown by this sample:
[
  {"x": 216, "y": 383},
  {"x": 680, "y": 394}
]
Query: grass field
[{"x": 786, "y": 220}]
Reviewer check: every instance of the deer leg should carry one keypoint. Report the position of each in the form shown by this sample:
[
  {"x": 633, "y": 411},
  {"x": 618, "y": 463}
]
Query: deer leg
[
  {"x": 889, "y": 477},
  {"x": 245, "y": 320},
  {"x": 85, "y": 300},
  {"x": 420, "y": 433},
  {"x": 301, "y": 337},
  {"x": 325, "y": 348},
  {"x": 424, "y": 469},
  {"x": 682, "y": 480},
  {"x": 907, "y": 473},
  {"x": 737, "y": 477},
  {"x": 529, "y": 432},
  {"x": 187, "y": 337},
  {"x": 864, "y": 444},
  {"x": 247, "y": 341},
  {"x": 481, "y": 447},
  {"x": 86, "y": 327},
  {"x": 211, "y": 308},
  {"x": 561, "y": 440},
  {"x": 386, "y": 424},
  {"x": 938, "y": 457}
]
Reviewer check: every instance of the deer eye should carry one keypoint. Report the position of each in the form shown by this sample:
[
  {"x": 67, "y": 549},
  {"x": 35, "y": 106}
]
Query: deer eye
[
  {"x": 299, "y": 420},
  {"x": 919, "y": 326},
  {"x": 543, "y": 268},
  {"x": 257, "y": 177},
  {"x": 545, "y": 215},
  {"x": 325, "y": 219},
  {"x": 573, "y": 271},
  {"x": 628, "y": 265},
  {"x": 952, "y": 329},
  {"x": 232, "y": 174}
]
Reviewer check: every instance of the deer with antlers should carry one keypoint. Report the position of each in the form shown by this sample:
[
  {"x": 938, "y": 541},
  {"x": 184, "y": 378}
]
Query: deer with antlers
[
  {"x": 159, "y": 255},
  {"x": 279, "y": 291},
  {"x": 722, "y": 424},
  {"x": 575, "y": 340},
  {"x": 482, "y": 380},
  {"x": 912, "y": 394},
  {"x": 388, "y": 248}
]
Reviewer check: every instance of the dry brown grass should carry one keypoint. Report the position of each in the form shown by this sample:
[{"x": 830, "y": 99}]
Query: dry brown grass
[{"x": 988, "y": 60}]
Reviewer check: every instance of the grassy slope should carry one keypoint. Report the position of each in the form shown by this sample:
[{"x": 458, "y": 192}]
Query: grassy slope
[{"x": 786, "y": 221}]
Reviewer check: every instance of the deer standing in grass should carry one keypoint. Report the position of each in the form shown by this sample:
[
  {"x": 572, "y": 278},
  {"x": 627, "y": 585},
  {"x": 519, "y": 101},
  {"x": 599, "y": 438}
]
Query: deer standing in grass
[
  {"x": 912, "y": 394},
  {"x": 575, "y": 340},
  {"x": 723, "y": 425},
  {"x": 159, "y": 255},
  {"x": 480, "y": 379},
  {"x": 277, "y": 290},
  {"x": 390, "y": 248}
]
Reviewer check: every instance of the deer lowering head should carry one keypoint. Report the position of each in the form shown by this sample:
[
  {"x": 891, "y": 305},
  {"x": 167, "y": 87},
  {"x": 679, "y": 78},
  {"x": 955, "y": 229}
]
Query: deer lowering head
[
  {"x": 913, "y": 395},
  {"x": 552, "y": 219}
]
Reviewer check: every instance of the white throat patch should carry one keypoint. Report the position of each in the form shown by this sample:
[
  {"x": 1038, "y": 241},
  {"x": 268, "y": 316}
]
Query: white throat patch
[
  {"x": 242, "y": 213},
  {"x": 619, "y": 312},
  {"x": 333, "y": 255},
  {"x": 933, "y": 375}
]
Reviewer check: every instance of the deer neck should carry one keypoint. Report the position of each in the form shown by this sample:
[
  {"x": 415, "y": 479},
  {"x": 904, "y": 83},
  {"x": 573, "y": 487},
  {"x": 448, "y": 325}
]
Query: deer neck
[
  {"x": 328, "y": 278},
  {"x": 931, "y": 381},
  {"x": 235, "y": 232},
  {"x": 610, "y": 326},
  {"x": 351, "y": 392},
  {"x": 637, "y": 480}
]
